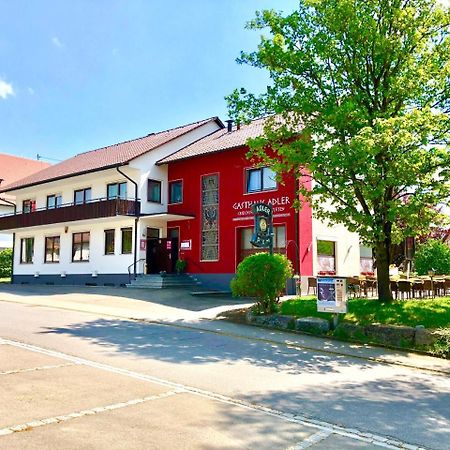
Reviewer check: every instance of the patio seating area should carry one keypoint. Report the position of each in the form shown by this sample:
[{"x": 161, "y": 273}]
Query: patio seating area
[{"x": 363, "y": 286}]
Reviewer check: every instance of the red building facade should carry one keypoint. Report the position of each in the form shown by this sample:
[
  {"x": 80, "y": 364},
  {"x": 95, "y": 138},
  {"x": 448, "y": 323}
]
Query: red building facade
[{"x": 218, "y": 188}]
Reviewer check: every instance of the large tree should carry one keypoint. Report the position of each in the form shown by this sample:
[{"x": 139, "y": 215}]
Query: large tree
[{"x": 365, "y": 83}]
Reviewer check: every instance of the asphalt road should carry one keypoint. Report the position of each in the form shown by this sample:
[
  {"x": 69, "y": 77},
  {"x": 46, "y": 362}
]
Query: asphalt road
[{"x": 124, "y": 384}]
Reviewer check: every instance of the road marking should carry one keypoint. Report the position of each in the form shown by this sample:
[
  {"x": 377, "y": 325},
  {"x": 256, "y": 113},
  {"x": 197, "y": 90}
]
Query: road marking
[
  {"x": 290, "y": 344},
  {"x": 311, "y": 440},
  {"x": 32, "y": 369},
  {"x": 85, "y": 412},
  {"x": 381, "y": 441}
]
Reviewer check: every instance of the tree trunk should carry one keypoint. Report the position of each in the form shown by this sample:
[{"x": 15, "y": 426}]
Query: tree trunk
[{"x": 383, "y": 250}]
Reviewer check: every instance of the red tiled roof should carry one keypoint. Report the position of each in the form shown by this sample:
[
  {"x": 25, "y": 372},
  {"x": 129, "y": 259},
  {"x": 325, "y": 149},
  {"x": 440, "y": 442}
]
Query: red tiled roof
[
  {"x": 106, "y": 157},
  {"x": 218, "y": 141},
  {"x": 13, "y": 168}
]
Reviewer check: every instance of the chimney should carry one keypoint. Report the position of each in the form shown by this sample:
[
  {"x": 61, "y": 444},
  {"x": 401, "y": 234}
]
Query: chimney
[{"x": 230, "y": 125}]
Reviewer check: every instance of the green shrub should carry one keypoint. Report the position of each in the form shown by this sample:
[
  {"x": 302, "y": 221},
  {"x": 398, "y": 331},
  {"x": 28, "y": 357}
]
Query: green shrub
[
  {"x": 263, "y": 277},
  {"x": 180, "y": 265},
  {"x": 433, "y": 255},
  {"x": 5, "y": 263},
  {"x": 441, "y": 346}
]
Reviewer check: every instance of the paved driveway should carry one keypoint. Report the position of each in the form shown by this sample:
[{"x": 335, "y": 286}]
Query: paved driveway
[
  {"x": 51, "y": 400},
  {"x": 152, "y": 304}
]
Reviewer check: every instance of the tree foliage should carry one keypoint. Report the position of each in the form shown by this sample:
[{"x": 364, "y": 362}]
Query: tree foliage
[
  {"x": 433, "y": 255},
  {"x": 262, "y": 276},
  {"x": 5, "y": 263},
  {"x": 366, "y": 83}
]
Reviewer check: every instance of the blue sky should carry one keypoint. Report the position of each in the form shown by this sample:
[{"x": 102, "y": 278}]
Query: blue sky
[{"x": 81, "y": 74}]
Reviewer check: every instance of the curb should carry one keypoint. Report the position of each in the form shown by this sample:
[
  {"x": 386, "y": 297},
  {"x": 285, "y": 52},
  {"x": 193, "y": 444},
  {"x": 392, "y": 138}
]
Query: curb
[{"x": 239, "y": 335}]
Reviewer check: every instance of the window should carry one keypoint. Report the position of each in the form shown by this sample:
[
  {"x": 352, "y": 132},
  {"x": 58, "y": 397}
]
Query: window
[
  {"x": 26, "y": 250},
  {"x": 365, "y": 260},
  {"x": 110, "y": 242},
  {"x": 279, "y": 241},
  {"x": 80, "y": 247},
  {"x": 261, "y": 179},
  {"x": 54, "y": 201},
  {"x": 52, "y": 246},
  {"x": 117, "y": 190},
  {"x": 153, "y": 233},
  {"x": 326, "y": 257},
  {"x": 154, "y": 191},
  {"x": 175, "y": 191},
  {"x": 82, "y": 196},
  {"x": 210, "y": 218},
  {"x": 127, "y": 240},
  {"x": 28, "y": 206}
]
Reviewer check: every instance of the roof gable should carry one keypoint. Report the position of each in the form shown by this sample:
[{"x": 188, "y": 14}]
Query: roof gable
[
  {"x": 218, "y": 141},
  {"x": 106, "y": 157}
]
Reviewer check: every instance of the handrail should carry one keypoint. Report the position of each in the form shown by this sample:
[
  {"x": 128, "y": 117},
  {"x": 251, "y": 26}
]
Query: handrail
[{"x": 133, "y": 264}]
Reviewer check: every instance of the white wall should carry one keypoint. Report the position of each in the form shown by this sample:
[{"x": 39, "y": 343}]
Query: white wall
[
  {"x": 5, "y": 239},
  {"x": 148, "y": 170},
  {"x": 98, "y": 261},
  {"x": 140, "y": 169},
  {"x": 97, "y": 181},
  {"x": 347, "y": 247}
]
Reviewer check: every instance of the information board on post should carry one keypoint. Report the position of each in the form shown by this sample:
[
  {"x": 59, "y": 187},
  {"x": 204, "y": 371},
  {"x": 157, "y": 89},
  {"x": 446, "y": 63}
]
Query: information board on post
[{"x": 332, "y": 294}]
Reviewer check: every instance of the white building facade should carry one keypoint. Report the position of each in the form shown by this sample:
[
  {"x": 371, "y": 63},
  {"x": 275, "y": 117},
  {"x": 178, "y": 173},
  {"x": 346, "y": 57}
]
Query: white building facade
[{"x": 81, "y": 222}]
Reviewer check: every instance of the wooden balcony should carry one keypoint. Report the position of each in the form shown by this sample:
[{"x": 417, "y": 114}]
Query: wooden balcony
[{"x": 94, "y": 209}]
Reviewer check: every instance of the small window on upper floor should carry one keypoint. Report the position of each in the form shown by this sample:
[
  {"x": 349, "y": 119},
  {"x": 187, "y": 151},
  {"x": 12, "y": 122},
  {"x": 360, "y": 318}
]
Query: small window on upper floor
[
  {"x": 154, "y": 191},
  {"x": 28, "y": 206},
  {"x": 261, "y": 179},
  {"x": 175, "y": 191},
  {"x": 117, "y": 190},
  {"x": 82, "y": 196},
  {"x": 54, "y": 201}
]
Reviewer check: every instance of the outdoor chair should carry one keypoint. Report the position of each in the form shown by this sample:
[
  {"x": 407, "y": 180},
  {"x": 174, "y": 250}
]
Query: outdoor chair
[
  {"x": 354, "y": 286},
  {"x": 427, "y": 288},
  {"x": 446, "y": 286},
  {"x": 439, "y": 287},
  {"x": 370, "y": 283},
  {"x": 404, "y": 287},
  {"x": 394, "y": 288},
  {"x": 312, "y": 283},
  {"x": 417, "y": 289}
]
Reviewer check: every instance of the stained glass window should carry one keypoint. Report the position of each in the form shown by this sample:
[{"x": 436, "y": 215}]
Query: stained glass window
[{"x": 210, "y": 218}]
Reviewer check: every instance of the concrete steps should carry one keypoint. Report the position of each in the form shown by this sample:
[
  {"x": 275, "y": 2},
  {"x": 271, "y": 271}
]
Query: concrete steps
[{"x": 168, "y": 281}]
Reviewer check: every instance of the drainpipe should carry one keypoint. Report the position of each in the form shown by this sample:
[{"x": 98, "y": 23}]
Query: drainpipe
[
  {"x": 136, "y": 220},
  {"x": 12, "y": 261},
  {"x": 9, "y": 203}
]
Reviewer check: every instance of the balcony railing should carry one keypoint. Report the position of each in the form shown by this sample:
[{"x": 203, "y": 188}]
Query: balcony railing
[{"x": 69, "y": 212}]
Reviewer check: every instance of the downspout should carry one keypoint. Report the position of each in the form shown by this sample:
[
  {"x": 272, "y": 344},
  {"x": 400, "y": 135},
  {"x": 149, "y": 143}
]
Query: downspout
[
  {"x": 10, "y": 203},
  {"x": 136, "y": 220},
  {"x": 12, "y": 259}
]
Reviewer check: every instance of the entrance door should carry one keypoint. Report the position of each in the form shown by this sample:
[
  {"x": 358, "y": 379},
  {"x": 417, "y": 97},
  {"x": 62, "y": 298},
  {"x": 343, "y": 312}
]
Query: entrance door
[
  {"x": 152, "y": 250},
  {"x": 161, "y": 253},
  {"x": 173, "y": 236}
]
